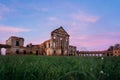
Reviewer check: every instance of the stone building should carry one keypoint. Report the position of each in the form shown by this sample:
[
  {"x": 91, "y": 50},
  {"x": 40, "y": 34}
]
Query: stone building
[
  {"x": 92, "y": 53},
  {"x": 32, "y": 49},
  {"x": 72, "y": 50},
  {"x": 17, "y": 45},
  {"x": 114, "y": 50},
  {"x": 111, "y": 51},
  {"x": 58, "y": 44},
  {"x": 3, "y": 47}
]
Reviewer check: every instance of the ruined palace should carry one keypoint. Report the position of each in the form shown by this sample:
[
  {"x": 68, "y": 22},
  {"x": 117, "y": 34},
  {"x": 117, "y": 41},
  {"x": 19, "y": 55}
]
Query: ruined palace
[{"x": 57, "y": 45}]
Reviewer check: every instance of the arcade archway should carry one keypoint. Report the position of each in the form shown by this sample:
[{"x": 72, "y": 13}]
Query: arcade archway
[{"x": 3, "y": 48}]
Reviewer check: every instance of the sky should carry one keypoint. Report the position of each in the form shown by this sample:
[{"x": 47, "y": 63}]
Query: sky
[{"x": 91, "y": 24}]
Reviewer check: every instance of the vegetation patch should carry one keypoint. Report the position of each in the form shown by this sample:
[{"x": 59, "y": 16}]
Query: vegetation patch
[{"x": 59, "y": 68}]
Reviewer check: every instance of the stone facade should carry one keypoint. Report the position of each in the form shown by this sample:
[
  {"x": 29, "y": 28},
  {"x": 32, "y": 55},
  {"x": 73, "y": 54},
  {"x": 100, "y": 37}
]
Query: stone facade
[
  {"x": 17, "y": 45},
  {"x": 4, "y": 46},
  {"x": 111, "y": 51},
  {"x": 57, "y": 45},
  {"x": 114, "y": 50},
  {"x": 92, "y": 53},
  {"x": 72, "y": 50}
]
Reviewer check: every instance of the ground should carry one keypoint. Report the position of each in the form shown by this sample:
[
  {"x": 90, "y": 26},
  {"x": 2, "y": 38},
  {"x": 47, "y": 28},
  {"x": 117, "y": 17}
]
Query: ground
[{"x": 31, "y": 67}]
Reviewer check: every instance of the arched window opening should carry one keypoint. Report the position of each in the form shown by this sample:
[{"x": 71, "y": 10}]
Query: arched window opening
[
  {"x": 30, "y": 52},
  {"x": 3, "y": 51},
  {"x": 54, "y": 52},
  {"x": 53, "y": 44},
  {"x": 49, "y": 45},
  {"x": 24, "y": 52},
  {"x": 111, "y": 54},
  {"x": 107, "y": 54},
  {"x": 54, "y": 37},
  {"x": 37, "y": 52},
  {"x": 17, "y": 43}
]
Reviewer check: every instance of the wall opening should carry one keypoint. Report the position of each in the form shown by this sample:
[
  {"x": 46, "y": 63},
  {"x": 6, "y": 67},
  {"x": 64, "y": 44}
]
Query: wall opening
[
  {"x": 17, "y": 51},
  {"x": 107, "y": 54},
  {"x": 17, "y": 43},
  {"x": 3, "y": 51},
  {"x": 111, "y": 54},
  {"x": 37, "y": 52},
  {"x": 24, "y": 52},
  {"x": 54, "y": 52},
  {"x": 30, "y": 52},
  {"x": 49, "y": 45}
]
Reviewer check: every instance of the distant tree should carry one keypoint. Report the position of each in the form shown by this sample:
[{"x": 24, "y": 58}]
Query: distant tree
[
  {"x": 110, "y": 48},
  {"x": 117, "y": 46}
]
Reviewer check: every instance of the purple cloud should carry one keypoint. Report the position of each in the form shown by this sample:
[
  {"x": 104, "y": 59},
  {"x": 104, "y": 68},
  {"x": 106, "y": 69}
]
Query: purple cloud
[
  {"x": 12, "y": 29},
  {"x": 98, "y": 40}
]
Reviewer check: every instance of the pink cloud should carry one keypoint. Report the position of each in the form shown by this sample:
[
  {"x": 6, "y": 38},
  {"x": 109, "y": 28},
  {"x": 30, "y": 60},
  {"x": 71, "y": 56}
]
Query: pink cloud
[
  {"x": 7, "y": 31},
  {"x": 95, "y": 42},
  {"x": 12, "y": 29}
]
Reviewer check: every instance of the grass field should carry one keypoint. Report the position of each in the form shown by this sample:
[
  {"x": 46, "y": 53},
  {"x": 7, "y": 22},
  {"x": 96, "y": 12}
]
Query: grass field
[{"x": 59, "y": 68}]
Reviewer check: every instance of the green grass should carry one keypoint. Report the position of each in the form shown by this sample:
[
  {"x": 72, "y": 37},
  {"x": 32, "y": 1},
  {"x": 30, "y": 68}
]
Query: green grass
[{"x": 59, "y": 68}]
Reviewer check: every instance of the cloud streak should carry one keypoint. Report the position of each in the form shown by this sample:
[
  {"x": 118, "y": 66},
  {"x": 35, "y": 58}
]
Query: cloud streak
[
  {"x": 83, "y": 17},
  {"x": 94, "y": 42},
  {"x": 7, "y": 31},
  {"x": 52, "y": 19},
  {"x": 12, "y": 29}
]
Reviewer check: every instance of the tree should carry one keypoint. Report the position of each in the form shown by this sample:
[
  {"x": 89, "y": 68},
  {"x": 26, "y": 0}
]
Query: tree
[{"x": 110, "y": 48}]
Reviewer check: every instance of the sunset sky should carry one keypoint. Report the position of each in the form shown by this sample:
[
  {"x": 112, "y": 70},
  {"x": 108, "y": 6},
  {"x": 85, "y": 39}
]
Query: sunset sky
[{"x": 91, "y": 24}]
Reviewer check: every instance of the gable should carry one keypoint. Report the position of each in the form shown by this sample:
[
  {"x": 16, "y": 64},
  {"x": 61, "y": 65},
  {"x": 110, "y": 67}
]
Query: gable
[{"x": 60, "y": 31}]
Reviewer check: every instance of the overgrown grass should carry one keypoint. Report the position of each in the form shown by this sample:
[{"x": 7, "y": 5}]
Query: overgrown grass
[{"x": 59, "y": 68}]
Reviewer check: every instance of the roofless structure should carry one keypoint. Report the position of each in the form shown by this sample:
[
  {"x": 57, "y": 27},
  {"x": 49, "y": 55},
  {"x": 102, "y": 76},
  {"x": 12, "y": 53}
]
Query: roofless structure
[{"x": 57, "y": 45}]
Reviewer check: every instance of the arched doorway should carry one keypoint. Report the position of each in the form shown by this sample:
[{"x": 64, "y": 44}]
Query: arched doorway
[
  {"x": 62, "y": 52},
  {"x": 17, "y": 43},
  {"x": 107, "y": 54},
  {"x": 17, "y": 51},
  {"x": 3, "y": 51},
  {"x": 30, "y": 52},
  {"x": 24, "y": 52},
  {"x": 111, "y": 54},
  {"x": 3, "y": 48},
  {"x": 54, "y": 52},
  {"x": 37, "y": 52}
]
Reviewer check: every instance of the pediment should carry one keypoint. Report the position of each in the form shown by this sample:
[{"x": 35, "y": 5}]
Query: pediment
[{"x": 60, "y": 31}]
